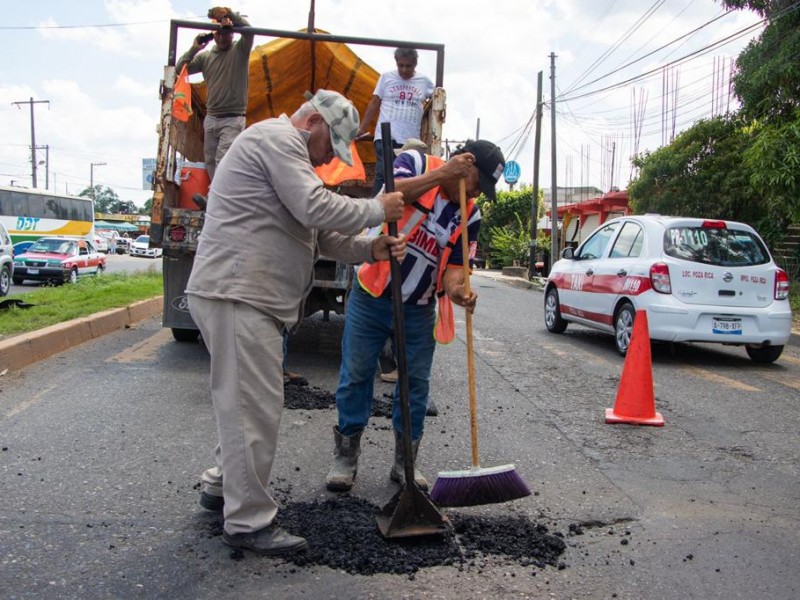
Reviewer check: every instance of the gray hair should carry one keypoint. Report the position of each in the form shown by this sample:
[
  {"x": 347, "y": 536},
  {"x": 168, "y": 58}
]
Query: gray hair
[{"x": 406, "y": 53}]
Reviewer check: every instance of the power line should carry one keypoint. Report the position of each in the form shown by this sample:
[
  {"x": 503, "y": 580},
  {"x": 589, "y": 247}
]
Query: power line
[
  {"x": 647, "y": 14},
  {"x": 705, "y": 49},
  {"x": 633, "y": 62}
]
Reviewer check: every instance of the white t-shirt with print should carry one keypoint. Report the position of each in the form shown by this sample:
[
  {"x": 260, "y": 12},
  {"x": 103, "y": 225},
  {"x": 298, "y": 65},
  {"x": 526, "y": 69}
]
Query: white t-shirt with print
[{"x": 402, "y": 101}]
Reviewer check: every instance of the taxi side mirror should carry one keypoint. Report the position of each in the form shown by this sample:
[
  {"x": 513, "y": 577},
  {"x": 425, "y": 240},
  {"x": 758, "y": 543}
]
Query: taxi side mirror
[{"x": 568, "y": 253}]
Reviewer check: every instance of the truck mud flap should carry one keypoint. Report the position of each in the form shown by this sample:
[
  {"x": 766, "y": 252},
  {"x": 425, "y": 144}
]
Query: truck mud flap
[{"x": 176, "y": 275}]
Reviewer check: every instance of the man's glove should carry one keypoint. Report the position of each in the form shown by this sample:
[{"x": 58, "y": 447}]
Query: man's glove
[{"x": 219, "y": 12}]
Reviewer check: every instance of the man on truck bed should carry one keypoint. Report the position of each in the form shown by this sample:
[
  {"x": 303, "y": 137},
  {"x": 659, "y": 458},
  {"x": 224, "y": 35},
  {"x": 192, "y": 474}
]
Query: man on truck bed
[
  {"x": 399, "y": 98},
  {"x": 267, "y": 196},
  {"x": 225, "y": 70}
]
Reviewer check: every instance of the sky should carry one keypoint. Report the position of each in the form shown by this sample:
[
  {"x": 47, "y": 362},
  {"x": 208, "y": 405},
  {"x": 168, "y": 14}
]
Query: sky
[{"x": 628, "y": 76}]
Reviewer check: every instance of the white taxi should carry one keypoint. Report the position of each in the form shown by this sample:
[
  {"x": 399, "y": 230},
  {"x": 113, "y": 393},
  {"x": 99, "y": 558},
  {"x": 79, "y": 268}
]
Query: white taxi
[{"x": 699, "y": 280}]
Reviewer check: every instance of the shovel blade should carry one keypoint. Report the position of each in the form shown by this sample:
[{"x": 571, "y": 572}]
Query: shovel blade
[{"x": 411, "y": 513}]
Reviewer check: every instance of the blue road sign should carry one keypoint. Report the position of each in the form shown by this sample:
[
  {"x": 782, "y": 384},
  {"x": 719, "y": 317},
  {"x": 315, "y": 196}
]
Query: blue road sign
[{"x": 511, "y": 172}]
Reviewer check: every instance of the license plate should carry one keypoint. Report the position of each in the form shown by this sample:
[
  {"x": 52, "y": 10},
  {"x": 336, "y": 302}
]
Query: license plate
[
  {"x": 33, "y": 271},
  {"x": 727, "y": 326}
]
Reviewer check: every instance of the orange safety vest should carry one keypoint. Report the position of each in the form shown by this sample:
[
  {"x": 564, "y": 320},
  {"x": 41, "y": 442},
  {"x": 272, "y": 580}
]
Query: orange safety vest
[{"x": 374, "y": 278}]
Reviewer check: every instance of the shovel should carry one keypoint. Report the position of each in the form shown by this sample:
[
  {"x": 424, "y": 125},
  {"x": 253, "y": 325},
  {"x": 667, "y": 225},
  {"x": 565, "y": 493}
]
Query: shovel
[{"x": 410, "y": 512}]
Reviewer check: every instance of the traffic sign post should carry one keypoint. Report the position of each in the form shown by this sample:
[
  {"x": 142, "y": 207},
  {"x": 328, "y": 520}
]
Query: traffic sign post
[{"x": 511, "y": 172}]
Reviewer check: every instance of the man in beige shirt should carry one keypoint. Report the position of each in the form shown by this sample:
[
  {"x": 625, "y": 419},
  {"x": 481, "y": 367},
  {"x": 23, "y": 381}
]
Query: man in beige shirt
[{"x": 268, "y": 217}]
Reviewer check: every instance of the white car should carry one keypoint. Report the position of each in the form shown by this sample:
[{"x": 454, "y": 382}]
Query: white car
[
  {"x": 100, "y": 243},
  {"x": 141, "y": 247},
  {"x": 699, "y": 280}
]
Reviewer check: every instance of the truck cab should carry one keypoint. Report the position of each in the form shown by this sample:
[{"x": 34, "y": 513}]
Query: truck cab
[{"x": 281, "y": 70}]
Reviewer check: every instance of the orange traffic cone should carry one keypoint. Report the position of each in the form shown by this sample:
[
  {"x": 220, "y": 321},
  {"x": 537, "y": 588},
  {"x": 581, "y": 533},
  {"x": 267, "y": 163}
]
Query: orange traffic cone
[{"x": 636, "y": 403}]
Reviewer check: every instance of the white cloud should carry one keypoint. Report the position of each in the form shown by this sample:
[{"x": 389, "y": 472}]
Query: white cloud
[{"x": 99, "y": 63}]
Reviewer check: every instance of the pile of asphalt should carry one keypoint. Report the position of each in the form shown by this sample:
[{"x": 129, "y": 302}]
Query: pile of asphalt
[
  {"x": 342, "y": 534},
  {"x": 313, "y": 398}
]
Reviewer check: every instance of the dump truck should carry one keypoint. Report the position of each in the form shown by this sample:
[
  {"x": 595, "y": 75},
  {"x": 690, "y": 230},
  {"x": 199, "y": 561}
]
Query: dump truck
[{"x": 280, "y": 71}]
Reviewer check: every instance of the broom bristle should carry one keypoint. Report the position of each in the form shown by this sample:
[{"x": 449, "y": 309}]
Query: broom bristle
[{"x": 477, "y": 486}]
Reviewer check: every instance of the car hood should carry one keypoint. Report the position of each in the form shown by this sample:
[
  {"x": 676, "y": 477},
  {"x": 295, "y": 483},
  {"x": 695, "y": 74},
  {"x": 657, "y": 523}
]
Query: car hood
[{"x": 43, "y": 256}]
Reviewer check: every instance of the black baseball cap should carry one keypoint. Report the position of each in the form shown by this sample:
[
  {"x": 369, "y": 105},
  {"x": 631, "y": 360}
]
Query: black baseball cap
[{"x": 490, "y": 162}]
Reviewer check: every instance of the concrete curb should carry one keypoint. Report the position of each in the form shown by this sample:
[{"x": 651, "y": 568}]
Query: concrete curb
[
  {"x": 24, "y": 350},
  {"x": 512, "y": 280}
]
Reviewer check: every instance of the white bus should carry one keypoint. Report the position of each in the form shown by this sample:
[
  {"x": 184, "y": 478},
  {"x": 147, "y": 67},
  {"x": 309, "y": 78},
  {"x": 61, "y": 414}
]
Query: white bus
[{"x": 29, "y": 214}]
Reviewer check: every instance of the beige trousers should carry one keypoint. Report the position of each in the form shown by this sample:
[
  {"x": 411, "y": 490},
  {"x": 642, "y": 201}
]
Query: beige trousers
[
  {"x": 218, "y": 135},
  {"x": 246, "y": 348}
]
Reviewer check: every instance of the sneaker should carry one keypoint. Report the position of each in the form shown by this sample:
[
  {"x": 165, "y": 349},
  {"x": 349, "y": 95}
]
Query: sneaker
[
  {"x": 211, "y": 502},
  {"x": 389, "y": 377},
  {"x": 270, "y": 541}
]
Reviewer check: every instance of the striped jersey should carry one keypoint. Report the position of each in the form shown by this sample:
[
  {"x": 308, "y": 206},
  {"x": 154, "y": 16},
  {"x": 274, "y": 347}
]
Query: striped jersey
[{"x": 419, "y": 268}]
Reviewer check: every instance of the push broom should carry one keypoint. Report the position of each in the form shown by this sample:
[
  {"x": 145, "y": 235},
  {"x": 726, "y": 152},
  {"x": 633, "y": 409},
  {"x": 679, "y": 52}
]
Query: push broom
[{"x": 476, "y": 485}]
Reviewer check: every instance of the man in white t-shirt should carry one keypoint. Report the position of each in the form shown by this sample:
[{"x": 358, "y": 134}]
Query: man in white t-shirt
[{"x": 399, "y": 98}]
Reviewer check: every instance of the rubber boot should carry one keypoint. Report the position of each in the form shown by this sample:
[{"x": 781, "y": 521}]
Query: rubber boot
[
  {"x": 345, "y": 462},
  {"x": 398, "y": 472}
]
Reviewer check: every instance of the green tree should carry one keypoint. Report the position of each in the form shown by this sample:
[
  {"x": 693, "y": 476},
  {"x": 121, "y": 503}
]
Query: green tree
[
  {"x": 104, "y": 198},
  {"x": 124, "y": 207},
  {"x": 506, "y": 226},
  {"x": 767, "y": 81},
  {"x": 503, "y": 213},
  {"x": 702, "y": 173},
  {"x": 147, "y": 209}
]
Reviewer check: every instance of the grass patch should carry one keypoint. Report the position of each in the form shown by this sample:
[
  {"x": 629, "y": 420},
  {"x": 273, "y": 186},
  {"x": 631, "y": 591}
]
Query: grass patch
[{"x": 88, "y": 296}]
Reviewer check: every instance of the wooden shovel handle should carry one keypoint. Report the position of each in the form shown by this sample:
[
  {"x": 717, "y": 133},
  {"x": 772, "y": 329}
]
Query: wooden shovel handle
[{"x": 473, "y": 400}]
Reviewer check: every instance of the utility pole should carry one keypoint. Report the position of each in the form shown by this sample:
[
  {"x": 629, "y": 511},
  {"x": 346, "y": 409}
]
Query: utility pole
[
  {"x": 31, "y": 102},
  {"x": 613, "y": 158},
  {"x": 91, "y": 176},
  {"x": 478, "y": 129},
  {"x": 537, "y": 144},
  {"x": 46, "y": 149},
  {"x": 554, "y": 245}
]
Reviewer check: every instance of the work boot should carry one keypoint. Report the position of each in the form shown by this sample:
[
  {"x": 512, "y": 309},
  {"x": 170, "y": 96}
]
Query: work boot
[
  {"x": 269, "y": 541},
  {"x": 398, "y": 472},
  {"x": 345, "y": 462}
]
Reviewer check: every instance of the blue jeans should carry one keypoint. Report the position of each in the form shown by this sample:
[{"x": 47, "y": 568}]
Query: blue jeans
[
  {"x": 379, "y": 177},
  {"x": 367, "y": 325}
]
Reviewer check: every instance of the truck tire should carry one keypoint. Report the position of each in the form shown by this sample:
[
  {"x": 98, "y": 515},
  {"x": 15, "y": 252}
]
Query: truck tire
[{"x": 185, "y": 335}]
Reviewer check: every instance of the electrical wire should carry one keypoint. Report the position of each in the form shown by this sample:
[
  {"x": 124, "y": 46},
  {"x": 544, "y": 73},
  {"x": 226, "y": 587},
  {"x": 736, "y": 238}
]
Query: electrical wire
[
  {"x": 649, "y": 54},
  {"x": 640, "y": 21}
]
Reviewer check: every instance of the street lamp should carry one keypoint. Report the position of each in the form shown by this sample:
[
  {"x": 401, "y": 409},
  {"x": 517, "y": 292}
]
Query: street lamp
[{"x": 91, "y": 175}]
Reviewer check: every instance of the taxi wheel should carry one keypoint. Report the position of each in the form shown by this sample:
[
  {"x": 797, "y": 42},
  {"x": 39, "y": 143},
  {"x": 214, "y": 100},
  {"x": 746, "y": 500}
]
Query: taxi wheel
[
  {"x": 73, "y": 276},
  {"x": 623, "y": 327},
  {"x": 764, "y": 354},
  {"x": 552, "y": 312},
  {"x": 100, "y": 269}
]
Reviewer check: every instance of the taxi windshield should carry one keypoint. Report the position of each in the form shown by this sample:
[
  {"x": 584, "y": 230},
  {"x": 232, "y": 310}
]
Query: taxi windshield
[
  {"x": 52, "y": 246},
  {"x": 715, "y": 246}
]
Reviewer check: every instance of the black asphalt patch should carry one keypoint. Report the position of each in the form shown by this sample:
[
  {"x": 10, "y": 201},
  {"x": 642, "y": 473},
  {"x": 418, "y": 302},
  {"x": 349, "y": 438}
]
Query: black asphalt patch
[{"x": 343, "y": 534}]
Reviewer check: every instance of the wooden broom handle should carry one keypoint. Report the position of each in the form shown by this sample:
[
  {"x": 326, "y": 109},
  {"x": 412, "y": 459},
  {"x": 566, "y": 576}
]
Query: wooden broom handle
[{"x": 473, "y": 400}]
